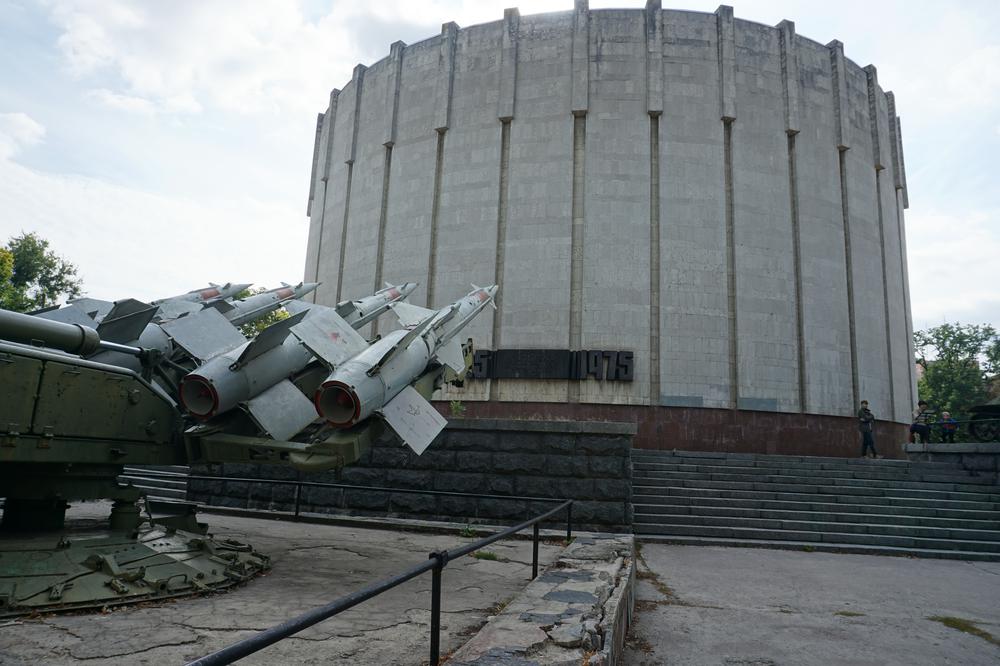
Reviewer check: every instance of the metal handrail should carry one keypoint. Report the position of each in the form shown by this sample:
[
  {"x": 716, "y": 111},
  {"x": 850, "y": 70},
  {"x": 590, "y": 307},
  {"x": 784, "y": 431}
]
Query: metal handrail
[{"x": 436, "y": 562}]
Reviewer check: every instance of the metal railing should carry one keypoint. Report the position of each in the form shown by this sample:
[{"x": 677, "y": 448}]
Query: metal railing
[
  {"x": 966, "y": 430},
  {"x": 436, "y": 562}
]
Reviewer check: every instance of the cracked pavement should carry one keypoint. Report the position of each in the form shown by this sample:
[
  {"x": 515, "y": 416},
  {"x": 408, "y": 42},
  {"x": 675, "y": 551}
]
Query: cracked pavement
[
  {"x": 311, "y": 566},
  {"x": 700, "y": 605}
]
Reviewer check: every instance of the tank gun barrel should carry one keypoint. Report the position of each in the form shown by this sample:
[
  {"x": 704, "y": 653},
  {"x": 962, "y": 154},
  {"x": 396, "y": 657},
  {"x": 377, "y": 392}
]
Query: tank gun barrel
[{"x": 70, "y": 338}]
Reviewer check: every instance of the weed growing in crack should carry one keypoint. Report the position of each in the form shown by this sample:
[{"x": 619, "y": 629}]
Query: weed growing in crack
[{"x": 966, "y": 626}]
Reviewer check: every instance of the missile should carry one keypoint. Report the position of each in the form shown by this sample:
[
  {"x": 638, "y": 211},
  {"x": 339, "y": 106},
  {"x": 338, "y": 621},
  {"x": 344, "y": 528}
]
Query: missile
[
  {"x": 363, "y": 310},
  {"x": 377, "y": 378},
  {"x": 208, "y": 294},
  {"x": 256, "y": 306},
  {"x": 255, "y": 375}
]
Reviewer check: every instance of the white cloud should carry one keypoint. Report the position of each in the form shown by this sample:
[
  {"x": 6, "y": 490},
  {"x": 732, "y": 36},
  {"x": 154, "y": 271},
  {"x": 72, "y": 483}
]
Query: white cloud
[
  {"x": 16, "y": 131},
  {"x": 952, "y": 265},
  {"x": 129, "y": 243}
]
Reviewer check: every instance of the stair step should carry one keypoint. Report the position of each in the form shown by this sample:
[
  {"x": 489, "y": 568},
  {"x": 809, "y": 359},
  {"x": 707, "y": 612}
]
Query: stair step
[
  {"x": 883, "y": 500},
  {"x": 916, "y": 543},
  {"x": 643, "y": 521},
  {"x": 784, "y": 544},
  {"x": 843, "y": 514},
  {"x": 819, "y": 489},
  {"x": 934, "y": 482},
  {"x": 873, "y": 473},
  {"x": 766, "y": 459}
]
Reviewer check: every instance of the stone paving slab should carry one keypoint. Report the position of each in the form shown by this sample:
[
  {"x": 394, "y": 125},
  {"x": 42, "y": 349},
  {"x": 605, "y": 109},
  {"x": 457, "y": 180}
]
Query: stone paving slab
[
  {"x": 727, "y": 606},
  {"x": 312, "y": 565}
]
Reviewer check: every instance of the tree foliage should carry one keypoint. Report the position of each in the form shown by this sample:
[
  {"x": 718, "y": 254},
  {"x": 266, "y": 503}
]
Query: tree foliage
[
  {"x": 252, "y": 329},
  {"x": 32, "y": 276},
  {"x": 960, "y": 362}
]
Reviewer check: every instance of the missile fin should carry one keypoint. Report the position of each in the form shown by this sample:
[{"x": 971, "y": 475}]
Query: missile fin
[
  {"x": 222, "y": 306},
  {"x": 295, "y": 306},
  {"x": 94, "y": 307},
  {"x": 346, "y": 308},
  {"x": 451, "y": 355},
  {"x": 174, "y": 309},
  {"x": 268, "y": 339},
  {"x": 413, "y": 419},
  {"x": 205, "y": 334},
  {"x": 409, "y": 314},
  {"x": 71, "y": 314},
  {"x": 403, "y": 343},
  {"x": 329, "y": 337},
  {"x": 281, "y": 411},
  {"x": 126, "y": 321}
]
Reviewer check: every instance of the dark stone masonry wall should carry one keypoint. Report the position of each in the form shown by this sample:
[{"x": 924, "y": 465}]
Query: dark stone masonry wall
[{"x": 585, "y": 461}]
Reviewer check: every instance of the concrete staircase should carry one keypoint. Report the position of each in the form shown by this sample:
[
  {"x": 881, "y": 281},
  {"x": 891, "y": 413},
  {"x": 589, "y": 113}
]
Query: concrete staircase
[
  {"x": 167, "y": 482},
  {"x": 883, "y": 507}
]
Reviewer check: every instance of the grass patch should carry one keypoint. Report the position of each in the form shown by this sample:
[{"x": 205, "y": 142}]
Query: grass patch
[
  {"x": 966, "y": 626},
  {"x": 468, "y": 531},
  {"x": 849, "y": 614},
  {"x": 808, "y": 549},
  {"x": 485, "y": 555}
]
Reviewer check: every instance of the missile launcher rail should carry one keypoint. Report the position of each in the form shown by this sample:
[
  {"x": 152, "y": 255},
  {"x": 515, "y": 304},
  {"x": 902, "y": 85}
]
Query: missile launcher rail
[{"x": 68, "y": 426}]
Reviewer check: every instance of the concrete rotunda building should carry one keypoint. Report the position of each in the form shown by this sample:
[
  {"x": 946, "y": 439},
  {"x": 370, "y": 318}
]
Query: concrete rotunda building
[{"x": 696, "y": 221}]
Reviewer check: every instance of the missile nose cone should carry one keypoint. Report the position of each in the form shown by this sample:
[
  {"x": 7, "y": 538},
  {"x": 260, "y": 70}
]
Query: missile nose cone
[
  {"x": 241, "y": 287},
  {"x": 407, "y": 288},
  {"x": 492, "y": 291},
  {"x": 306, "y": 287}
]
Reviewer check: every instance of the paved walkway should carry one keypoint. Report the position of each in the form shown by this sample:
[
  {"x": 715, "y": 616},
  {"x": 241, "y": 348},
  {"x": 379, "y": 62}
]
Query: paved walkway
[
  {"x": 729, "y": 606},
  {"x": 312, "y": 565}
]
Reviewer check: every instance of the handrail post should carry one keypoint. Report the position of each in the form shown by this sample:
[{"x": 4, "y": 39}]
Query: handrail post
[
  {"x": 534, "y": 552},
  {"x": 440, "y": 560},
  {"x": 298, "y": 496},
  {"x": 569, "y": 521}
]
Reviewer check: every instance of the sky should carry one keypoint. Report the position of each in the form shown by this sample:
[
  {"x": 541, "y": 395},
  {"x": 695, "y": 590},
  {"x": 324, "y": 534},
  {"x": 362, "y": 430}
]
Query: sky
[{"x": 161, "y": 146}]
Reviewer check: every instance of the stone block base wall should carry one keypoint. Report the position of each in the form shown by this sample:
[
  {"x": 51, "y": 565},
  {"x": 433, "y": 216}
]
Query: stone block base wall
[
  {"x": 589, "y": 462},
  {"x": 980, "y": 458},
  {"x": 721, "y": 430}
]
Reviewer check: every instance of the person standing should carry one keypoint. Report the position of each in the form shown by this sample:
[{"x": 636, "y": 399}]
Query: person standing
[
  {"x": 866, "y": 424},
  {"x": 948, "y": 427},
  {"x": 922, "y": 419}
]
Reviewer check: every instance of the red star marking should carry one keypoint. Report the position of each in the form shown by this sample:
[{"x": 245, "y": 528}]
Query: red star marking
[
  {"x": 394, "y": 293},
  {"x": 482, "y": 296},
  {"x": 335, "y": 336}
]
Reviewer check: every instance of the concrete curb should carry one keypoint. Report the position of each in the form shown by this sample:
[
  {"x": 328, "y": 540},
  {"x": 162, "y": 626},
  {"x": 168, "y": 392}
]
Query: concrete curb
[{"x": 576, "y": 612}]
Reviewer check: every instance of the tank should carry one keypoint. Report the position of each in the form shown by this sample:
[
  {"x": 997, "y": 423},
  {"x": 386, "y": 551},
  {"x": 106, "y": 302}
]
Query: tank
[
  {"x": 984, "y": 421},
  {"x": 68, "y": 426}
]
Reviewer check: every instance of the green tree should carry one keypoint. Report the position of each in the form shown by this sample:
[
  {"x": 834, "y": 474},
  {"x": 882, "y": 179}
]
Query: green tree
[
  {"x": 32, "y": 276},
  {"x": 960, "y": 363},
  {"x": 252, "y": 329}
]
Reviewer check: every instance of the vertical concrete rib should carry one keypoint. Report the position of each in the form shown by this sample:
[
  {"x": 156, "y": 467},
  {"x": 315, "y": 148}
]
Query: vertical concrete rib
[
  {"x": 895, "y": 149},
  {"x": 579, "y": 103},
  {"x": 442, "y": 121},
  {"x": 654, "y": 106},
  {"x": 390, "y": 119},
  {"x": 734, "y": 366},
  {"x": 654, "y": 258},
  {"x": 324, "y": 169},
  {"x": 312, "y": 175},
  {"x": 501, "y": 237},
  {"x": 878, "y": 155},
  {"x": 840, "y": 107},
  {"x": 726, "y": 34},
  {"x": 435, "y": 217},
  {"x": 505, "y": 113},
  {"x": 790, "y": 86},
  {"x": 358, "y": 80}
]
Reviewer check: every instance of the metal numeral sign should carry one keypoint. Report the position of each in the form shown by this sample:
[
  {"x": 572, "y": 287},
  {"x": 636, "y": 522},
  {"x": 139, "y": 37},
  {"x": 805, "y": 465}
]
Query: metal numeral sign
[{"x": 553, "y": 364}]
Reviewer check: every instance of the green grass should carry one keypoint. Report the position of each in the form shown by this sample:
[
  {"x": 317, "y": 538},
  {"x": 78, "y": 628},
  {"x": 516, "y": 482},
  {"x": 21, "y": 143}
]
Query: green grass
[
  {"x": 468, "y": 531},
  {"x": 485, "y": 555},
  {"x": 966, "y": 626}
]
